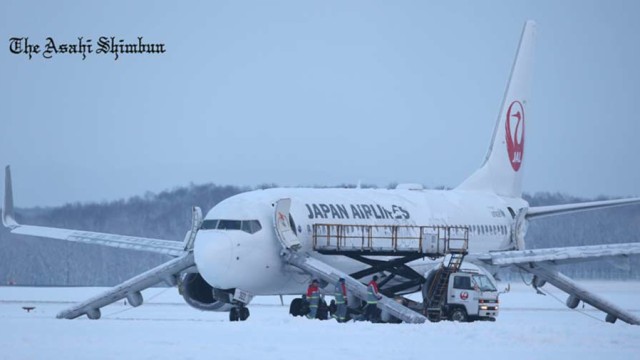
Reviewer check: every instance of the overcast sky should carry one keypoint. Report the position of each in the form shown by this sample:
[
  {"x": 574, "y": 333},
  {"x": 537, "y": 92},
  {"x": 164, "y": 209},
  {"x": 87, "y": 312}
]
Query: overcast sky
[{"x": 315, "y": 93}]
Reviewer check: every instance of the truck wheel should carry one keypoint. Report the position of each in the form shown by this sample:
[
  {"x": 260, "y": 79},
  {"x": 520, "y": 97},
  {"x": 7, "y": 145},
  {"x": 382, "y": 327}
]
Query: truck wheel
[{"x": 459, "y": 315}]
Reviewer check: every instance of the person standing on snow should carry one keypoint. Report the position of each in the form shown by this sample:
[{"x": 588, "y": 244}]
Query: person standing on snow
[
  {"x": 341, "y": 301},
  {"x": 313, "y": 297},
  {"x": 373, "y": 295}
]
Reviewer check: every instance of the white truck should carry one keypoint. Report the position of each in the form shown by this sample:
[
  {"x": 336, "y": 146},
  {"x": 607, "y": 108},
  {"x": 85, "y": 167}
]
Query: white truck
[{"x": 469, "y": 295}]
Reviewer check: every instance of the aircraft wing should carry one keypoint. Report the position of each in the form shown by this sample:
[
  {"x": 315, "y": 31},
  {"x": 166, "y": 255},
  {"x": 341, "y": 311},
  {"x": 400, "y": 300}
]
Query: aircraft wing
[
  {"x": 167, "y": 272},
  {"x": 541, "y": 263},
  {"x": 561, "y": 255},
  {"x": 173, "y": 248},
  {"x": 577, "y": 293},
  {"x": 542, "y": 211}
]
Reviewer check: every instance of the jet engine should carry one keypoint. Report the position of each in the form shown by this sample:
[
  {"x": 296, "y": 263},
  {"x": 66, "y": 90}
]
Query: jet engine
[{"x": 202, "y": 296}]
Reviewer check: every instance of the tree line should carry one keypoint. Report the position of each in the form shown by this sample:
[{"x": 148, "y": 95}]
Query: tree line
[{"x": 167, "y": 215}]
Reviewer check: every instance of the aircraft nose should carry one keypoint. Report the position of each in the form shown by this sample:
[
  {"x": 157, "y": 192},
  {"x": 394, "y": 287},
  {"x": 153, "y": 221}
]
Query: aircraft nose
[{"x": 212, "y": 253}]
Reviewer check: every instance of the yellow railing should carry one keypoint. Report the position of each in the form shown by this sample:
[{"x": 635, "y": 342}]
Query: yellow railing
[{"x": 434, "y": 239}]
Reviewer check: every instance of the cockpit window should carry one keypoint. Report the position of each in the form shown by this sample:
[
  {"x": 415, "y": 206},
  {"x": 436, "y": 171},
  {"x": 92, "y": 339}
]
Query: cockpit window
[
  {"x": 229, "y": 225},
  {"x": 248, "y": 226},
  {"x": 251, "y": 226},
  {"x": 209, "y": 225}
]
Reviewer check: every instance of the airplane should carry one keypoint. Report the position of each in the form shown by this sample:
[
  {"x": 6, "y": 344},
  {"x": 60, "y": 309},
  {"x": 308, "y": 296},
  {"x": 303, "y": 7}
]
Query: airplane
[{"x": 273, "y": 241}]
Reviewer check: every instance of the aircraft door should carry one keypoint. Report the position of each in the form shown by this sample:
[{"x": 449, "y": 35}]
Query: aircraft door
[
  {"x": 282, "y": 224},
  {"x": 519, "y": 229}
]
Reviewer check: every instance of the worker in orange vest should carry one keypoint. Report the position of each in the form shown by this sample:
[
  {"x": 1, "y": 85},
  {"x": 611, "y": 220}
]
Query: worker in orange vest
[
  {"x": 341, "y": 301},
  {"x": 373, "y": 295},
  {"x": 313, "y": 297}
]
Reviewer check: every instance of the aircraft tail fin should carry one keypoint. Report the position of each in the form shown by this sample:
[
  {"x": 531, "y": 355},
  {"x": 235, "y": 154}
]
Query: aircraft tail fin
[{"x": 501, "y": 172}]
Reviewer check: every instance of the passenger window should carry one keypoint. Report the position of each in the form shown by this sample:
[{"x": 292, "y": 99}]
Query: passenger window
[
  {"x": 462, "y": 282},
  {"x": 209, "y": 224}
]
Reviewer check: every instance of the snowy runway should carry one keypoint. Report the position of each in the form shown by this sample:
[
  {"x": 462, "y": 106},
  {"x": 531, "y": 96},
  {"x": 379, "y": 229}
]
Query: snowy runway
[{"x": 529, "y": 327}]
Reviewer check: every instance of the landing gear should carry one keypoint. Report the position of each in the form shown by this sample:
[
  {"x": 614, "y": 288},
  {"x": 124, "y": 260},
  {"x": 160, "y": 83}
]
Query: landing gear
[
  {"x": 298, "y": 307},
  {"x": 233, "y": 314},
  {"x": 323, "y": 310},
  {"x": 239, "y": 313}
]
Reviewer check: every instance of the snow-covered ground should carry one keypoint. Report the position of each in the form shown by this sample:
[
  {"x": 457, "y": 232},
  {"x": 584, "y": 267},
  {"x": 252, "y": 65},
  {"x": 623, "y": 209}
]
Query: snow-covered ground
[{"x": 529, "y": 327}]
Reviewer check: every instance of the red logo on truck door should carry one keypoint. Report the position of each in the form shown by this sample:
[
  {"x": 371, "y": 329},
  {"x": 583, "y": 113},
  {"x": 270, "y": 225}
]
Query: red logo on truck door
[
  {"x": 464, "y": 295},
  {"x": 515, "y": 134}
]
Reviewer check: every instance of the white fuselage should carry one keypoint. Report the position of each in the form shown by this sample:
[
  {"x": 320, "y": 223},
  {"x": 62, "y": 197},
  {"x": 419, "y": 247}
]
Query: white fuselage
[{"x": 229, "y": 259}]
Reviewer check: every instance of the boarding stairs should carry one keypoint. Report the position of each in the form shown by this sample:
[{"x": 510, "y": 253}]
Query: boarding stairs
[
  {"x": 331, "y": 275},
  {"x": 437, "y": 291}
]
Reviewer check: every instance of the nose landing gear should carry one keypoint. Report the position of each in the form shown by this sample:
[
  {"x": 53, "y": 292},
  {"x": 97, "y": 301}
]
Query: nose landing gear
[{"x": 239, "y": 313}]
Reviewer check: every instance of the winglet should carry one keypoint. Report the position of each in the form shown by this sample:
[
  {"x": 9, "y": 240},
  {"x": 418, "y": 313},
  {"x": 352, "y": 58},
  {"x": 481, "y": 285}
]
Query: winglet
[{"x": 8, "y": 219}]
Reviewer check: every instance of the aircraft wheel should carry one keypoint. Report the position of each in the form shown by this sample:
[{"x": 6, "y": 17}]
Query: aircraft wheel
[
  {"x": 323, "y": 311},
  {"x": 459, "y": 315},
  {"x": 244, "y": 313},
  {"x": 333, "y": 307},
  {"x": 233, "y": 314},
  {"x": 295, "y": 308}
]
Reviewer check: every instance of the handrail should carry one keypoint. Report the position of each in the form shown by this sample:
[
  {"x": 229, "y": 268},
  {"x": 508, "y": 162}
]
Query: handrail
[{"x": 437, "y": 239}]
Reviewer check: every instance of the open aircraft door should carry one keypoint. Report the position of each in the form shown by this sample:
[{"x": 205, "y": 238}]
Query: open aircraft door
[
  {"x": 519, "y": 229},
  {"x": 282, "y": 225}
]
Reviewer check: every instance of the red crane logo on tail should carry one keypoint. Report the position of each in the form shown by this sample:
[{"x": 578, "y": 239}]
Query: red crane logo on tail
[{"x": 515, "y": 134}]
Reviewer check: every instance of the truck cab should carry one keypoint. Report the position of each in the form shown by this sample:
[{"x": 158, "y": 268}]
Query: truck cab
[{"x": 471, "y": 296}]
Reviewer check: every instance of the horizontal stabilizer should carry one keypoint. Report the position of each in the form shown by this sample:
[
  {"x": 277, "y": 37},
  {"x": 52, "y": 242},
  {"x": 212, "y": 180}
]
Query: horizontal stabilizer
[
  {"x": 561, "y": 255},
  {"x": 542, "y": 211}
]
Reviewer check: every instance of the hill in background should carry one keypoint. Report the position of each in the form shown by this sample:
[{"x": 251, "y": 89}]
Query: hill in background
[{"x": 167, "y": 215}]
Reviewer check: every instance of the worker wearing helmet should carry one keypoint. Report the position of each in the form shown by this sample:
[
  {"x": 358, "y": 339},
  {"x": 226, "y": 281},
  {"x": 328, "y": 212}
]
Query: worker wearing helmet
[
  {"x": 341, "y": 301},
  {"x": 313, "y": 297},
  {"x": 373, "y": 295}
]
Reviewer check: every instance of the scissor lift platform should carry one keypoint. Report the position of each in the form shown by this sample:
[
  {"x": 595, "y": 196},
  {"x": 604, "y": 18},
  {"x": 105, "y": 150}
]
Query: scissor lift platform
[{"x": 390, "y": 240}]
